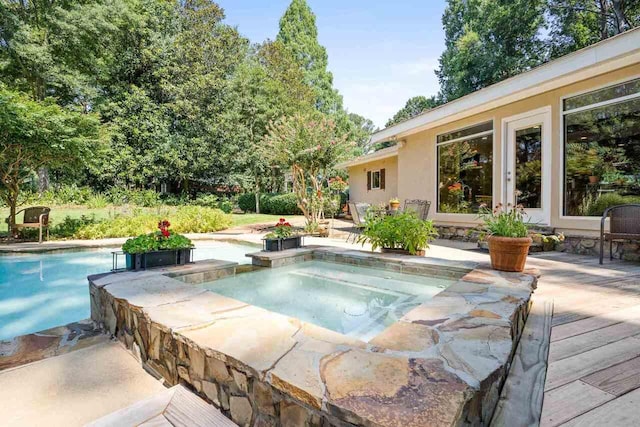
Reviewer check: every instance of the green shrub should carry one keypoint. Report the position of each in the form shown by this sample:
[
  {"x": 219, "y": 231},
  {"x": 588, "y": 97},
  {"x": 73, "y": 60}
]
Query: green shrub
[
  {"x": 70, "y": 226},
  {"x": 247, "y": 202},
  {"x": 607, "y": 200},
  {"x": 197, "y": 219},
  {"x": 213, "y": 201},
  {"x": 401, "y": 231},
  {"x": 270, "y": 203},
  {"x": 156, "y": 242},
  {"x": 131, "y": 196},
  {"x": 281, "y": 204},
  {"x": 97, "y": 201},
  {"x": 185, "y": 219},
  {"x": 67, "y": 195}
]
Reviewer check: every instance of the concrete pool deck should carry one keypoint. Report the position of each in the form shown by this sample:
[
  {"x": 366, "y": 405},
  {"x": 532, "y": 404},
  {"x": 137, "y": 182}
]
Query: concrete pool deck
[
  {"x": 75, "y": 388},
  {"x": 443, "y": 363}
]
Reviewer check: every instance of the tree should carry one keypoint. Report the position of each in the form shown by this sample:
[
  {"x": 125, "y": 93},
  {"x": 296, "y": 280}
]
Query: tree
[
  {"x": 309, "y": 145},
  {"x": 299, "y": 34},
  {"x": 483, "y": 46},
  {"x": 579, "y": 23},
  {"x": 359, "y": 131},
  {"x": 38, "y": 134},
  {"x": 267, "y": 86},
  {"x": 412, "y": 108}
]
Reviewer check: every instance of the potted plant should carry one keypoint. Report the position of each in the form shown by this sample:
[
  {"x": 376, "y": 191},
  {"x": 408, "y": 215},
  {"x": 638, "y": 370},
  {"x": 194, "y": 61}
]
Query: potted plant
[
  {"x": 282, "y": 238},
  {"x": 158, "y": 249},
  {"x": 403, "y": 233},
  {"x": 394, "y": 204},
  {"x": 508, "y": 239}
]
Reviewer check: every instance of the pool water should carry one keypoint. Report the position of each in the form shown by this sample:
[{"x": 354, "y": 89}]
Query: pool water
[
  {"x": 352, "y": 300},
  {"x": 40, "y": 291}
]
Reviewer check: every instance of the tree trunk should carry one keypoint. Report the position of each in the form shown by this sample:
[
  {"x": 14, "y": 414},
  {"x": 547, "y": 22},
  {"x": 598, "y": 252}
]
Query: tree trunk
[
  {"x": 604, "y": 12},
  {"x": 622, "y": 22},
  {"x": 257, "y": 196},
  {"x": 13, "y": 203},
  {"x": 43, "y": 179}
]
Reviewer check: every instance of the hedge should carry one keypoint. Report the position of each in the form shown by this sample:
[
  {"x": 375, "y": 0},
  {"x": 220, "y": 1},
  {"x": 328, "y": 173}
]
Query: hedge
[{"x": 270, "y": 203}]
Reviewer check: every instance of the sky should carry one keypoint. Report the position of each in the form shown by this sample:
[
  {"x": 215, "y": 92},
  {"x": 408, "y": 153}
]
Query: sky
[{"x": 381, "y": 53}]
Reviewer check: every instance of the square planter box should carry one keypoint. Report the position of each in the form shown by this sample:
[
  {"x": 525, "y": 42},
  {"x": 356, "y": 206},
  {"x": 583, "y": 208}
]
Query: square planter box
[
  {"x": 158, "y": 259},
  {"x": 274, "y": 245}
]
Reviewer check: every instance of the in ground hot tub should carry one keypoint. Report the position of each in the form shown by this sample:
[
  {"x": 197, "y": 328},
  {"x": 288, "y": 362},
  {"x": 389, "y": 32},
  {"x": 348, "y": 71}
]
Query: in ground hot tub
[{"x": 355, "y": 301}]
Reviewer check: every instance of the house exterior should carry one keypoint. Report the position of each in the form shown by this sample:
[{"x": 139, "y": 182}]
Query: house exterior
[{"x": 562, "y": 140}]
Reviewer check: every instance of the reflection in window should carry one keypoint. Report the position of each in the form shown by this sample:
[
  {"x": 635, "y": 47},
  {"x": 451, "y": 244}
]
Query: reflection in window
[
  {"x": 529, "y": 167},
  {"x": 602, "y": 153},
  {"x": 465, "y": 169},
  {"x": 375, "y": 180}
]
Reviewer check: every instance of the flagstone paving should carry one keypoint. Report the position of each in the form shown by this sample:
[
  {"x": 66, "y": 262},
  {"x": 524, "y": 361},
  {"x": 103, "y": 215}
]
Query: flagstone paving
[{"x": 442, "y": 364}]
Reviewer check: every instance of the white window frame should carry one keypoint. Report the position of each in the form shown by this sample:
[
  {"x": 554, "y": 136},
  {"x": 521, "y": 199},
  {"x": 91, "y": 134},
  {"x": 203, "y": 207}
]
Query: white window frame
[
  {"x": 373, "y": 172},
  {"x": 591, "y": 220},
  {"x": 462, "y": 217}
]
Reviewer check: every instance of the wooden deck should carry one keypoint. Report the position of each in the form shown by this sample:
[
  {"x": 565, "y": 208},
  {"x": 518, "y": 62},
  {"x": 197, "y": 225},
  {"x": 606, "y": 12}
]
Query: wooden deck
[{"x": 593, "y": 375}]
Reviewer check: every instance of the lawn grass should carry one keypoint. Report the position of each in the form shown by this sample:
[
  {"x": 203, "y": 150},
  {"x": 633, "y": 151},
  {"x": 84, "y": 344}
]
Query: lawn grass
[{"x": 58, "y": 213}]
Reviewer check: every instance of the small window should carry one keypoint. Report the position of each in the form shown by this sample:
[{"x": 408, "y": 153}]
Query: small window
[{"x": 375, "y": 180}]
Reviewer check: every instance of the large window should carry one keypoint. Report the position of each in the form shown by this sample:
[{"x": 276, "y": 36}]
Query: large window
[
  {"x": 465, "y": 169},
  {"x": 602, "y": 149}
]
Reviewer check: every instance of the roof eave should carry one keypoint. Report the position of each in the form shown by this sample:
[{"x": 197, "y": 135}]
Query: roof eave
[{"x": 607, "y": 55}]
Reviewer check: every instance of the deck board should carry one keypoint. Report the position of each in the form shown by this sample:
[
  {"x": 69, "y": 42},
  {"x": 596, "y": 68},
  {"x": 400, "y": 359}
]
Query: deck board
[
  {"x": 618, "y": 379},
  {"x": 622, "y": 411},
  {"x": 593, "y": 377},
  {"x": 591, "y": 340},
  {"x": 569, "y": 401}
]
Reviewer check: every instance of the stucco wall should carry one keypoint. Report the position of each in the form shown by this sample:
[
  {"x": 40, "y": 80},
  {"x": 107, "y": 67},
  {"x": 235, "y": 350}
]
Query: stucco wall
[
  {"x": 358, "y": 182},
  {"x": 417, "y": 156}
]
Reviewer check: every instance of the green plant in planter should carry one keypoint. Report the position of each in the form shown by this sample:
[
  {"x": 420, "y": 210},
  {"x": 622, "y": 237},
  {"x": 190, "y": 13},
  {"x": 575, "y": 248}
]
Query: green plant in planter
[
  {"x": 502, "y": 223},
  {"x": 283, "y": 229},
  {"x": 402, "y": 231},
  {"x": 161, "y": 240}
]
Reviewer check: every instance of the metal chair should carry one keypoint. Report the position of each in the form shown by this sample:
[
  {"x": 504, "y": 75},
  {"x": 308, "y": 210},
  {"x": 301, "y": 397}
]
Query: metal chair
[
  {"x": 34, "y": 217},
  {"x": 358, "y": 215},
  {"x": 624, "y": 224},
  {"x": 420, "y": 207}
]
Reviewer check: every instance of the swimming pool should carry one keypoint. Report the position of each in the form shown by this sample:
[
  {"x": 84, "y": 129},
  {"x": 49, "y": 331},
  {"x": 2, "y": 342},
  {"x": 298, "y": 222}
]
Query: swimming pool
[
  {"x": 351, "y": 300},
  {"x": 40, "y": 291}
]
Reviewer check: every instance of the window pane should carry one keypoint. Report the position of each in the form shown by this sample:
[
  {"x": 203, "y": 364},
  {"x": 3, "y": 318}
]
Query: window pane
[
  {"x": 602, "y": 158},
  {"x": 484, "y": 127},
  {"x": 465, "y": 175},
  {"x": 529, "y": 167},
  {"x": 376, "y": 180},
  {"x": 605, "y": 94}
]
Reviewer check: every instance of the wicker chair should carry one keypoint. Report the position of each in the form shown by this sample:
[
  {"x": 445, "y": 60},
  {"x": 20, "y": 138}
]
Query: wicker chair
[
  {"x": 34, "y": 217},
  {"x": 624, "y": 224},
  {"x": 420, "y": 207}
]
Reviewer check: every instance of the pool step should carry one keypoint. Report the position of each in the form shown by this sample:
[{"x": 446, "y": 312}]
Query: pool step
[{"x": 176, "y": 407}]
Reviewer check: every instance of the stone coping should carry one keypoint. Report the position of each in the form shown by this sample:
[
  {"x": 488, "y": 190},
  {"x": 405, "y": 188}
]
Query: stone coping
[{"x": 443, "y": 363}]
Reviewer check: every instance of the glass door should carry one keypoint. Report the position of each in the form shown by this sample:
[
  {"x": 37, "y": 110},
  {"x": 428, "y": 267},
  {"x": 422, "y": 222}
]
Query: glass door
[{"x": 528, "y": 166}]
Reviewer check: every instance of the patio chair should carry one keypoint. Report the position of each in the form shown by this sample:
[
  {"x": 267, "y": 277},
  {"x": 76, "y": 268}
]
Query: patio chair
[
  {"x": 358, "y": 215},
  {"x": 420, "y": 207},
  {"x": 34, "y": 217},
  {"x": 624, "y": 224}
]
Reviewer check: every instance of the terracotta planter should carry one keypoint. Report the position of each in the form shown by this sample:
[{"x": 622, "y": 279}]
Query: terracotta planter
[
  {"x": 594, "y": 179},
  {"x": 419, "y": 252},
  {"x": 394, "y": 206},
  {"x": 509, "y": 253}
]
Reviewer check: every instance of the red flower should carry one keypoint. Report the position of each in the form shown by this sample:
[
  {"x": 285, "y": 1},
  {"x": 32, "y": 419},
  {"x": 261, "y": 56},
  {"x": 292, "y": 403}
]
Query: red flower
[{"x": 165, "y": 232}]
